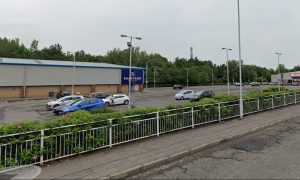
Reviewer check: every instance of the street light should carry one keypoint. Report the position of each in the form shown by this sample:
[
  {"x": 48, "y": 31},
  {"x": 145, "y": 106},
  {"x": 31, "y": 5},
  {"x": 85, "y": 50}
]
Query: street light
[
  {"x": 278, "y": 54},
  {"x": 240, "y": 61},
  {"x": 187, "y": 77},
  {"x": 73, "y": 75},
  {"x": 146, "y": 74},
  {"x": 130, "y": 57},
  {"x": 227, "y": 68}
]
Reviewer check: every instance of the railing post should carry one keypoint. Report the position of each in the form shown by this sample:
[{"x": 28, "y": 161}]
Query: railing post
[
  {"x": 193, "y": 120},
  {"x": 258, "y": 104},
  {"x": 157, "y": 123},
  {"x": 273, "y": 102},
  {"x": 219, "y": 107},
  {"x": 110, "y": 133},
  {"x": 42, "y": 147},
  {"x": 295, "y": 98},
  {"x": 284, "y": 99}
]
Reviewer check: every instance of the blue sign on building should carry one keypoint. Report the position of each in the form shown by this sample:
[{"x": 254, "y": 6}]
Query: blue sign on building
[{"x": 137, "y": 76}]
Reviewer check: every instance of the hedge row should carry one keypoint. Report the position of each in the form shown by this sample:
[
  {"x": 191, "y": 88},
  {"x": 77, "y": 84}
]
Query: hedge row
[{"x": 104, "y": 114}]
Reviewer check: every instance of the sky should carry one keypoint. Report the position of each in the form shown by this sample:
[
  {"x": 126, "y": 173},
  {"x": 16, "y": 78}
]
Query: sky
[{"x": 167, "y": 27}]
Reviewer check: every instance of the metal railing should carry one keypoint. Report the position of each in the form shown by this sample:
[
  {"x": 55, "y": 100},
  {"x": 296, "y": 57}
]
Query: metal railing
[{"x": 37, "y": 147}]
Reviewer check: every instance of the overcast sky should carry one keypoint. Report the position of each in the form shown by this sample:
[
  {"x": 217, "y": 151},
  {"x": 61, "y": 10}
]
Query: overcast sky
[{"x": 168, "y": 27}]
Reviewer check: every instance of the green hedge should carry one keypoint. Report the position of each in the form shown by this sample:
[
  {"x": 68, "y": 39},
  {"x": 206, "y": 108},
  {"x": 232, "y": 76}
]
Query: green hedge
[{"x": 104, "y": 114}]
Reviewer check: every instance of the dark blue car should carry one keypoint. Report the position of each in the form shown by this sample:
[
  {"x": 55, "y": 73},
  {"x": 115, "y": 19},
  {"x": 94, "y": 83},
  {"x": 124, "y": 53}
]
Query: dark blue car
[{"x": 84, "y": 104}]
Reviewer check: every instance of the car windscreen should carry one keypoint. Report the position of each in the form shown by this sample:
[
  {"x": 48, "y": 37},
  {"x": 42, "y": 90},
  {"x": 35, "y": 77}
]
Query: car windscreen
[
  {"x": 72, "y": 103},
  {"x": 198, "y": 93},
  {"x": 181, "y": 92}
]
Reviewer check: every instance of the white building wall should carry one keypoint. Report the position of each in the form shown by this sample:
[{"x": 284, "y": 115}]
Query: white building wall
[{"x": 19, "y": 75}]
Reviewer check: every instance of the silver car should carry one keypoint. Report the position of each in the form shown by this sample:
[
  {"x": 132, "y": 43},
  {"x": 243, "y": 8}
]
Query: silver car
[
  {"x": 184, "y": 94},
  {"x": 62, "y": 101}
]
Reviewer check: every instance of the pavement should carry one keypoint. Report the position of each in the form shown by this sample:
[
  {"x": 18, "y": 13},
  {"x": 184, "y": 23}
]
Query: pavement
[
  {"x": 132, "y": 158},
  {"x": 272, "y": 153}
]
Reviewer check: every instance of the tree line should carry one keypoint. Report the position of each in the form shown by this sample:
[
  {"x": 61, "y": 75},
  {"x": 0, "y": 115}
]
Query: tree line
[{"x": 201, "y": 72}]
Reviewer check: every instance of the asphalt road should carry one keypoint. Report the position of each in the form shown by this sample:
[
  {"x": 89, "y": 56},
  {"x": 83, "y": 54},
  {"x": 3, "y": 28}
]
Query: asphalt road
[
  {"x": 151, "y": 97},
  {"x": 267, "y": 154}
]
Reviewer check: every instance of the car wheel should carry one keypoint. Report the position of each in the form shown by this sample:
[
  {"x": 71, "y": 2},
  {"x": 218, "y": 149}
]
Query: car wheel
[
  {"x": 107, "y": 104},
  {"x": 126, "y": 102},
  {"x": 55, "y": 106},
  {"x": 181, "y": 98}
]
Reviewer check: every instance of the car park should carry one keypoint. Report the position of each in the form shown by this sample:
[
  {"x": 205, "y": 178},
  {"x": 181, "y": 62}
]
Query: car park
[
  {"x": 177, "y": 86},
  {"x": 202, "y": 94},
  {"x": 84, "y": 104},
  {"x": 61, "y": 94},
  {"x": 116, "y": 99},
  {"x": 254, "y": 84},
  {"x": 62, "y": 101},
  {"x": 99, "y": 95},
  {"x": 184, "y": 94}
]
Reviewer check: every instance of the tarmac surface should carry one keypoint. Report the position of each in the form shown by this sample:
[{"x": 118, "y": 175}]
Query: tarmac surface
[
  {"x": 151, "y": 97},
  {"x": 272, "y": 153}
]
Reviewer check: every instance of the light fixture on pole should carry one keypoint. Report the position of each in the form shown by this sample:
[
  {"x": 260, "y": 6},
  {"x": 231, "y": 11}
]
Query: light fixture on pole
[
  {"x": 187, "y": 77},
  {"x": 240, "y": 61},
  {"x": 73, "y": 72},
  {"x": 279, "y": 78},
  {"x": 129, "y": 74},
  {"x": 227, "y": 62}
]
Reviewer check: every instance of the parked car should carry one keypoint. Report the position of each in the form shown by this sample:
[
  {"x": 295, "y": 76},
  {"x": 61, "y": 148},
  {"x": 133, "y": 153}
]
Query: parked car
[
  {"x": 238, "y": 84},
  {"x": 202, "y": 94},
  {"x": 116, "y": 99},
  {"x": 99, "y": 95},
  {"x": 84, "y": 104},
  {"x": 61, "y": 94},
  {"x": 185, "y": 94},
  {"x": 254, "y": 84},
  {"x": 58, "y": 108},
  {"x": 62, "y": 101},
  {"x": 177, "y": 86}
]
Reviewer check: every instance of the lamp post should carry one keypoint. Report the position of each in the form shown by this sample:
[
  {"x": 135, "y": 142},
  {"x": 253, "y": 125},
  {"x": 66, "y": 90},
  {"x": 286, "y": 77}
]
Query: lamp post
[
  {"x": 278, "y": 54},
  {"x": 227, "y": 49},
  {"x": 130, "y": 57},
  {"x": 240, "y": 61},
  {"x": 187, "y": 77},
  {"x": 73, "y": 73},
  {"x": 146, "y": 74}
]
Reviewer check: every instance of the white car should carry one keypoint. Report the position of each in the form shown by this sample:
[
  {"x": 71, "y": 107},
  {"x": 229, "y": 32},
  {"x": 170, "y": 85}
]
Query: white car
[
  {"x": 116, "y": 99},
  {"x": 184, "y": 94},
  {"x": 62, "y": 101}
]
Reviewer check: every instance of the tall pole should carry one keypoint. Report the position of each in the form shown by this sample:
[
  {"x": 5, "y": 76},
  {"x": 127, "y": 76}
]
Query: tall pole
[
  {"x": 187, "y": 77},
  {"x": 212, "y": 76},
  {"x": 73, "y": 76},
  {"x": 227, "y": 64},
  {"x": 146, "y": 74},
  {"x": 227, "y": 72},
  {"x": 129, "y": 74},
  {"x": 129, "y": 84},
  {"x": 279, "y": 78},
  {"x": 154, "y": 69},
  {"x": 240, "y": 62}
]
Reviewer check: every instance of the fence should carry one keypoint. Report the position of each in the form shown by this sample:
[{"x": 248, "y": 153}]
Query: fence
[{"x": 37, "y": 147}]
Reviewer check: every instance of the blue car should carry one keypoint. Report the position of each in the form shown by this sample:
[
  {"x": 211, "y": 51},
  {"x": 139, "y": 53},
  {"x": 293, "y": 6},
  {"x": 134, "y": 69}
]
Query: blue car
[{"x": 84, "y": 104}]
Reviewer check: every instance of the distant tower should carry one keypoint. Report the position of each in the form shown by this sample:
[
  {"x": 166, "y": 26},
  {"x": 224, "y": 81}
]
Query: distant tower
[{"x": 191, "y": 53}]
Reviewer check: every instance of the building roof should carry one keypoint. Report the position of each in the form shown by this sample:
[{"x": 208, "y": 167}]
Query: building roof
[{"x": 39, "y": 62}]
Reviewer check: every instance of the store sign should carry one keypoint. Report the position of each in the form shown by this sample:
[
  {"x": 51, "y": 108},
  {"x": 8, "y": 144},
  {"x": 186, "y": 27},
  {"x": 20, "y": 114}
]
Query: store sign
[
  {"x": 295, "y": 75},
  {"x": 137, "y": 76}
]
